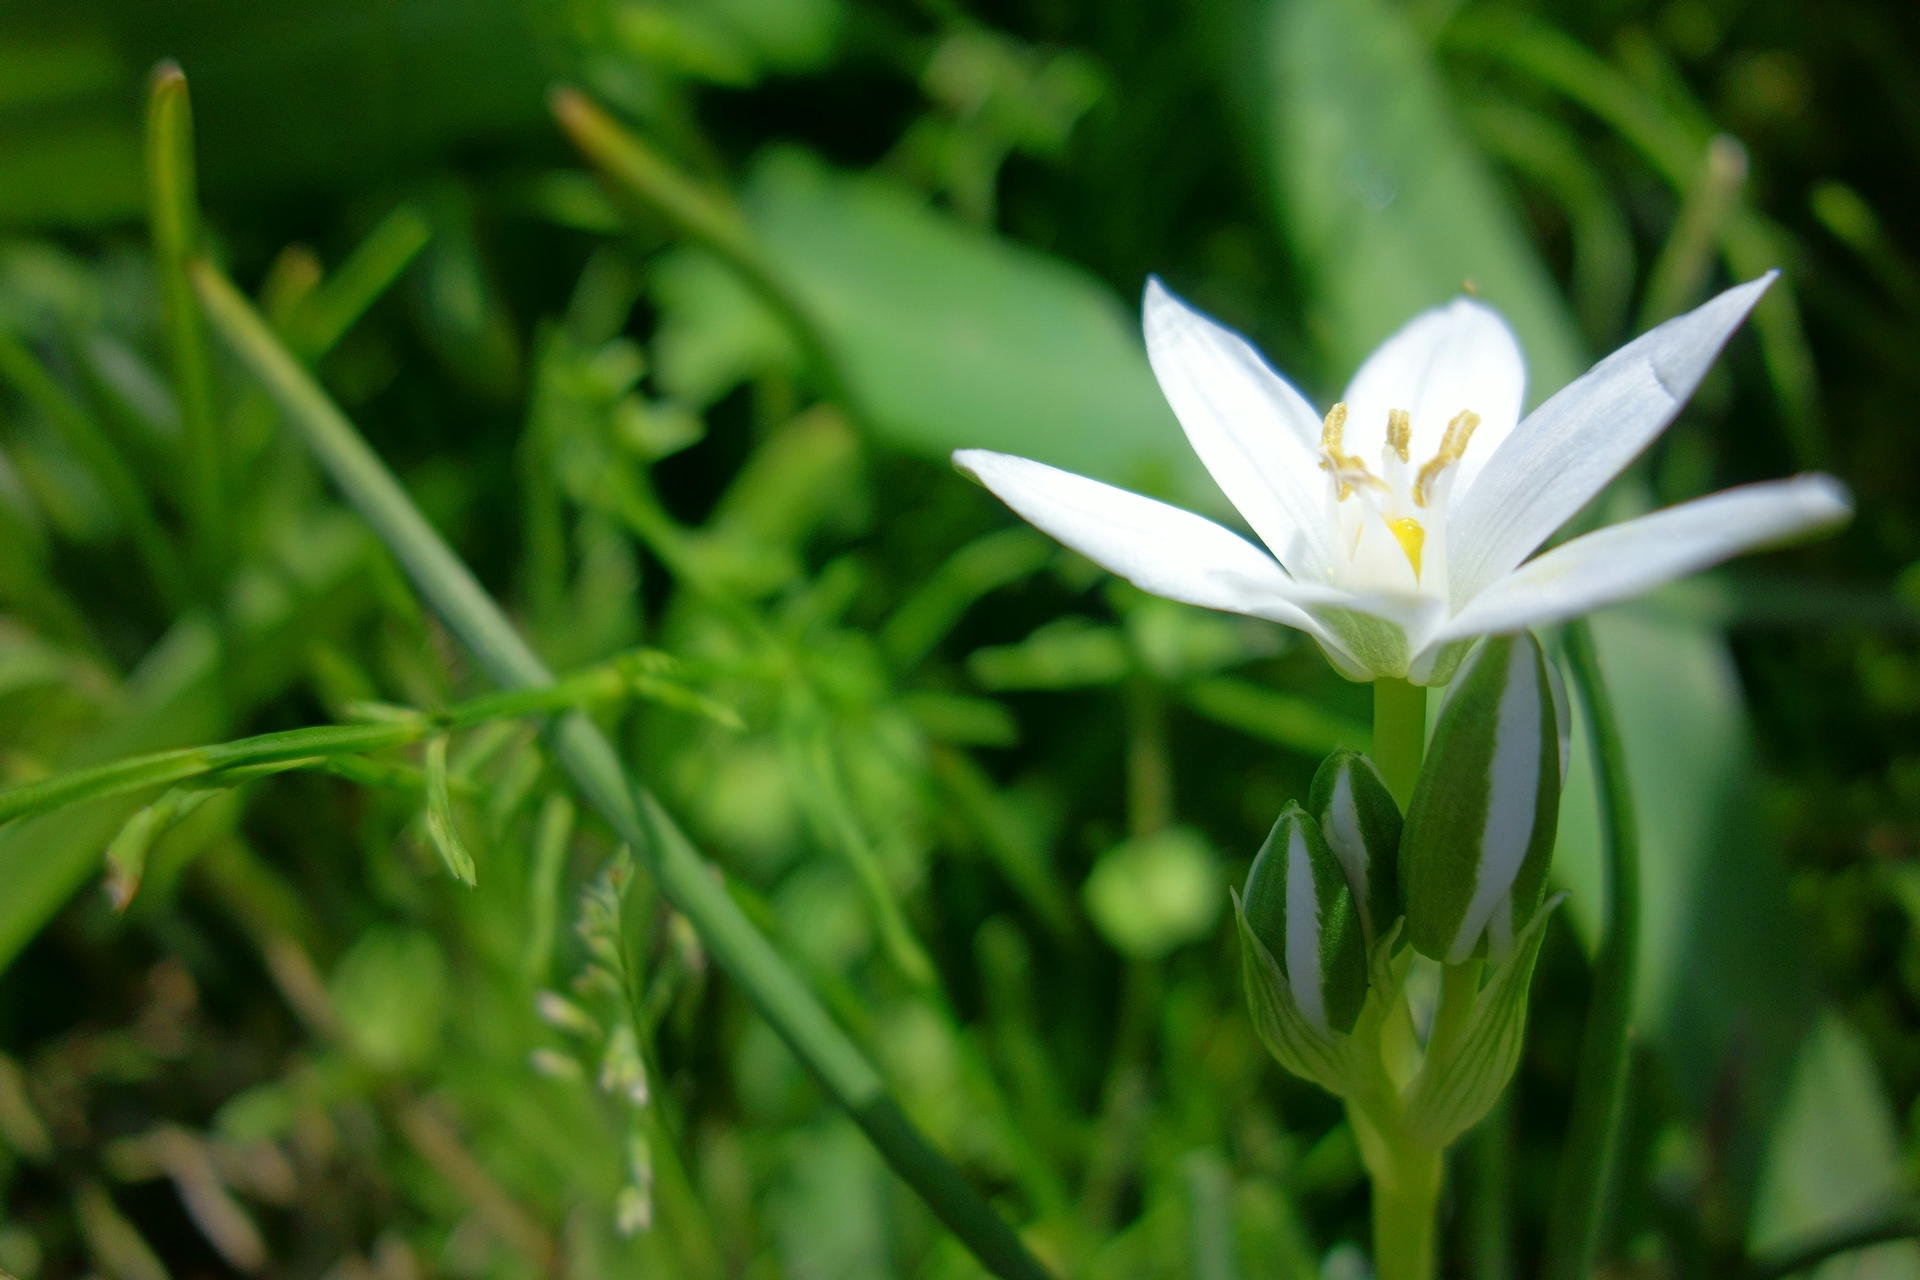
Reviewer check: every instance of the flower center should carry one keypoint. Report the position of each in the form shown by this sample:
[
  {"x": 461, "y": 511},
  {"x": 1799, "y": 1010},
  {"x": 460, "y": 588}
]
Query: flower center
[{"x": 1402, "y": 505}]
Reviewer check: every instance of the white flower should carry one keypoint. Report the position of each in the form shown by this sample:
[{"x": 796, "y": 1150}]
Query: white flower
[{"x": 1399, "y": 524}]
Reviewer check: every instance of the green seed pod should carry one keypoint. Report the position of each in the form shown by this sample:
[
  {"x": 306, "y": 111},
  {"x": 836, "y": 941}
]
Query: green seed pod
[
  {"x": 1361, "y": 823},
  {"x": 1480, "y": 828},
  {"x": 1300, "y": 908}
]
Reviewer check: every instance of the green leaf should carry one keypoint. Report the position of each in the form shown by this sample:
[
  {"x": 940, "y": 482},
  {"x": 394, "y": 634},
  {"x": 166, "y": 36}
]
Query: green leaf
[
  {"x": 440, "y": 824},
  {"x": 127, "y": 854},
  {"x": 1834, "y": 1157},
  {"x": 1716, "y": 984},
  {"x": 1451, "y": 1096},
  {"x": 952, "y": 337}
]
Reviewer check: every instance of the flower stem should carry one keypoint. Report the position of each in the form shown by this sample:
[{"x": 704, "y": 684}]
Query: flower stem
[
  {"x": 1587, "y": 1165},
  {"x": 1399, "y": 734},
  {"x": 1404, "y": 1209},
  {"x": 1405, "y": 1182}
]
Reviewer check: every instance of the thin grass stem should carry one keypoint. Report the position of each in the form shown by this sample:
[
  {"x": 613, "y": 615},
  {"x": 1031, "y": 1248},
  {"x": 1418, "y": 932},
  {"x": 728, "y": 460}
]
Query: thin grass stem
[
  {"x": 173, "y": 214},
  {"x": 1588, "y": 1160}
]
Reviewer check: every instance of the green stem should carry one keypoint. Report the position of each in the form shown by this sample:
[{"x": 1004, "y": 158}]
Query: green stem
[
  {"x": 1489, "y": 1209},
  {"x": 1405, "y": 1181},
  {"x": 1459, "y": 987},
  {"x": 1399, "y": 734},
  {"x": 1405, "y": 1207},
  {"x": 685, "y": 878},
  {"x": 173, "y": 211},
  {"x": 1587, "y": 1164}
]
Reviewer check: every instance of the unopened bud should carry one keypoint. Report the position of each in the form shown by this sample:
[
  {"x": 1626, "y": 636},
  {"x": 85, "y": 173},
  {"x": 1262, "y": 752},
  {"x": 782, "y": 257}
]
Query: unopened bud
[
  {"x": 1299, "y": 906},
  {"x": 1361, "y": 823},
  {"x": 1479, "y": 831}
]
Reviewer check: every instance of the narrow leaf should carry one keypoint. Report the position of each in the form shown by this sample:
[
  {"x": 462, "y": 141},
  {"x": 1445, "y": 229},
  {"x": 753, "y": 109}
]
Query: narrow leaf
[{"x": 440, "y": 824}]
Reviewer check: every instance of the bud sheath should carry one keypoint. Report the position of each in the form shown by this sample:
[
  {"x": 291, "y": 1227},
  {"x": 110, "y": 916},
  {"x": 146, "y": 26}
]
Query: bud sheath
[
  {"x": 1480, "y": 828},
  {"x": 1361, "y": 823},
  {"x": 1298, "y": 904}
]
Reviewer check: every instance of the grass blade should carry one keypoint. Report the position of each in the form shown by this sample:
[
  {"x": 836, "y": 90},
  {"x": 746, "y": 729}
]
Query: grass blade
[
  {"x": 173, "y": 214},
  {"x": 1588, "y": 1161},
  {"x": 440, "y": 824}
]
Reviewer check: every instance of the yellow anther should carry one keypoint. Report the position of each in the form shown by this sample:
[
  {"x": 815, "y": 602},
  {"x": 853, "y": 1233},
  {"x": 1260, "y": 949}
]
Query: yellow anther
[
  {"x": 1346, "y": 468},
  {"x": 1399, "y": 431},
  {"x": 1452, "y": 445},
  {"x": 1412, "y": 537},
  {"x": 1334, "y": 428}
]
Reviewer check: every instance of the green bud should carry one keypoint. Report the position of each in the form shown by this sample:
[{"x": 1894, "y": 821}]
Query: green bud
[
  {"x": 1480, "y": 828},
  {"x": 1361, "y": 822},
  {"x": 1299, "y": 906}
]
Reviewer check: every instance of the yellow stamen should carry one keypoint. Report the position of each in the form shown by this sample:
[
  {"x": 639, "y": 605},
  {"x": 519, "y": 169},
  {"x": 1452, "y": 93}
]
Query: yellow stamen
[
  {"x": 1452, "y": 445},
  {"x": 1399, "y": 431},
  {"x": 1346, "y": 468},
  {"x": 1412, "y": 537}
]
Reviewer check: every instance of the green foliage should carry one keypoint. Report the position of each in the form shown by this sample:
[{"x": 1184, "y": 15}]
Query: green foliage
[{"x": 693, "y": 391}]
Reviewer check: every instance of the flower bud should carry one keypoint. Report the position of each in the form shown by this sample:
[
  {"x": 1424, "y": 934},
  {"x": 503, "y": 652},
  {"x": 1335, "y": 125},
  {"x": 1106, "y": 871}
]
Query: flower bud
[
  {"x": 1479, "y": 831},
  {"x": 1299, "y": 906},
  {"x": 1361, "y": 823}
]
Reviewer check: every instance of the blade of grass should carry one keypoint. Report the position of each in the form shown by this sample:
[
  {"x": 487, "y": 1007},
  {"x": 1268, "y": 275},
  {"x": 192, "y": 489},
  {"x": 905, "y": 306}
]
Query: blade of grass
[
  {"x": 1686, "y": 260},
  {"x": 173, "y": 213},
  {"x": 323, "y": 316},
  {"x": 396, "y": 726},
  {"x": 440, "y": 824},
  {"x": 684, "y": 877},
  {"x": 97, "y": 450},
  {"x": 706, "y": 217},
  {"x": 1588, "y": 1160}
]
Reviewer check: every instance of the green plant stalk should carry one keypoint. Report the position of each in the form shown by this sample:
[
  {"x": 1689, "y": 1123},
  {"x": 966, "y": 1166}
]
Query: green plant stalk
[
  {"x": 399, "y": 727},
  {"x": 708, "y": 218},
  {"x": 322, "y": 317},
  {"x": 1405, "y": 1176},
  {"x": 1399, "y": 735},
  {"x": 1587, "y": 1162},
  {"x": 172, "y": 211},
  {"x": 684, "y": 877},
  {"x": 1406, "y": 1209}
]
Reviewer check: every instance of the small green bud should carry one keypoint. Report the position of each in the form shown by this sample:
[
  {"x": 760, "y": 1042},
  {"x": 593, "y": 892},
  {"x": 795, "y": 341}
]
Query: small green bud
[
  {"x": 1361, "y": 823},
  {"x": 1479, "y": 831},
  {"x": 1299, "y": 906}
]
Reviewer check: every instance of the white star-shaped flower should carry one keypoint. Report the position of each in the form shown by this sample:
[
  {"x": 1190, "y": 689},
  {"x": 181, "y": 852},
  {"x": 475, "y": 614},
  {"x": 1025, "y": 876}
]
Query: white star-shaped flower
[{"x": 1398, "y": 525}]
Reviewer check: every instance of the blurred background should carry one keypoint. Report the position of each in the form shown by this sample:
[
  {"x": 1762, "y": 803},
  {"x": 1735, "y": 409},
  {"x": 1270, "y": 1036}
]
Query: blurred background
[{"x": 985, "y": 799}]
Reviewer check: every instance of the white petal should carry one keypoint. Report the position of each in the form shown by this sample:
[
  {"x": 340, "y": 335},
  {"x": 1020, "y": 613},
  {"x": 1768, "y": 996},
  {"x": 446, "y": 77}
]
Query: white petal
[
  {"x": 1255, "y": 433},
  {"x": 1573, "y": 445},
  {"x": 1627, "y": 559},
  {"x": 1158, "y": 548},
  {"x": 1460, "y": 356}
]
